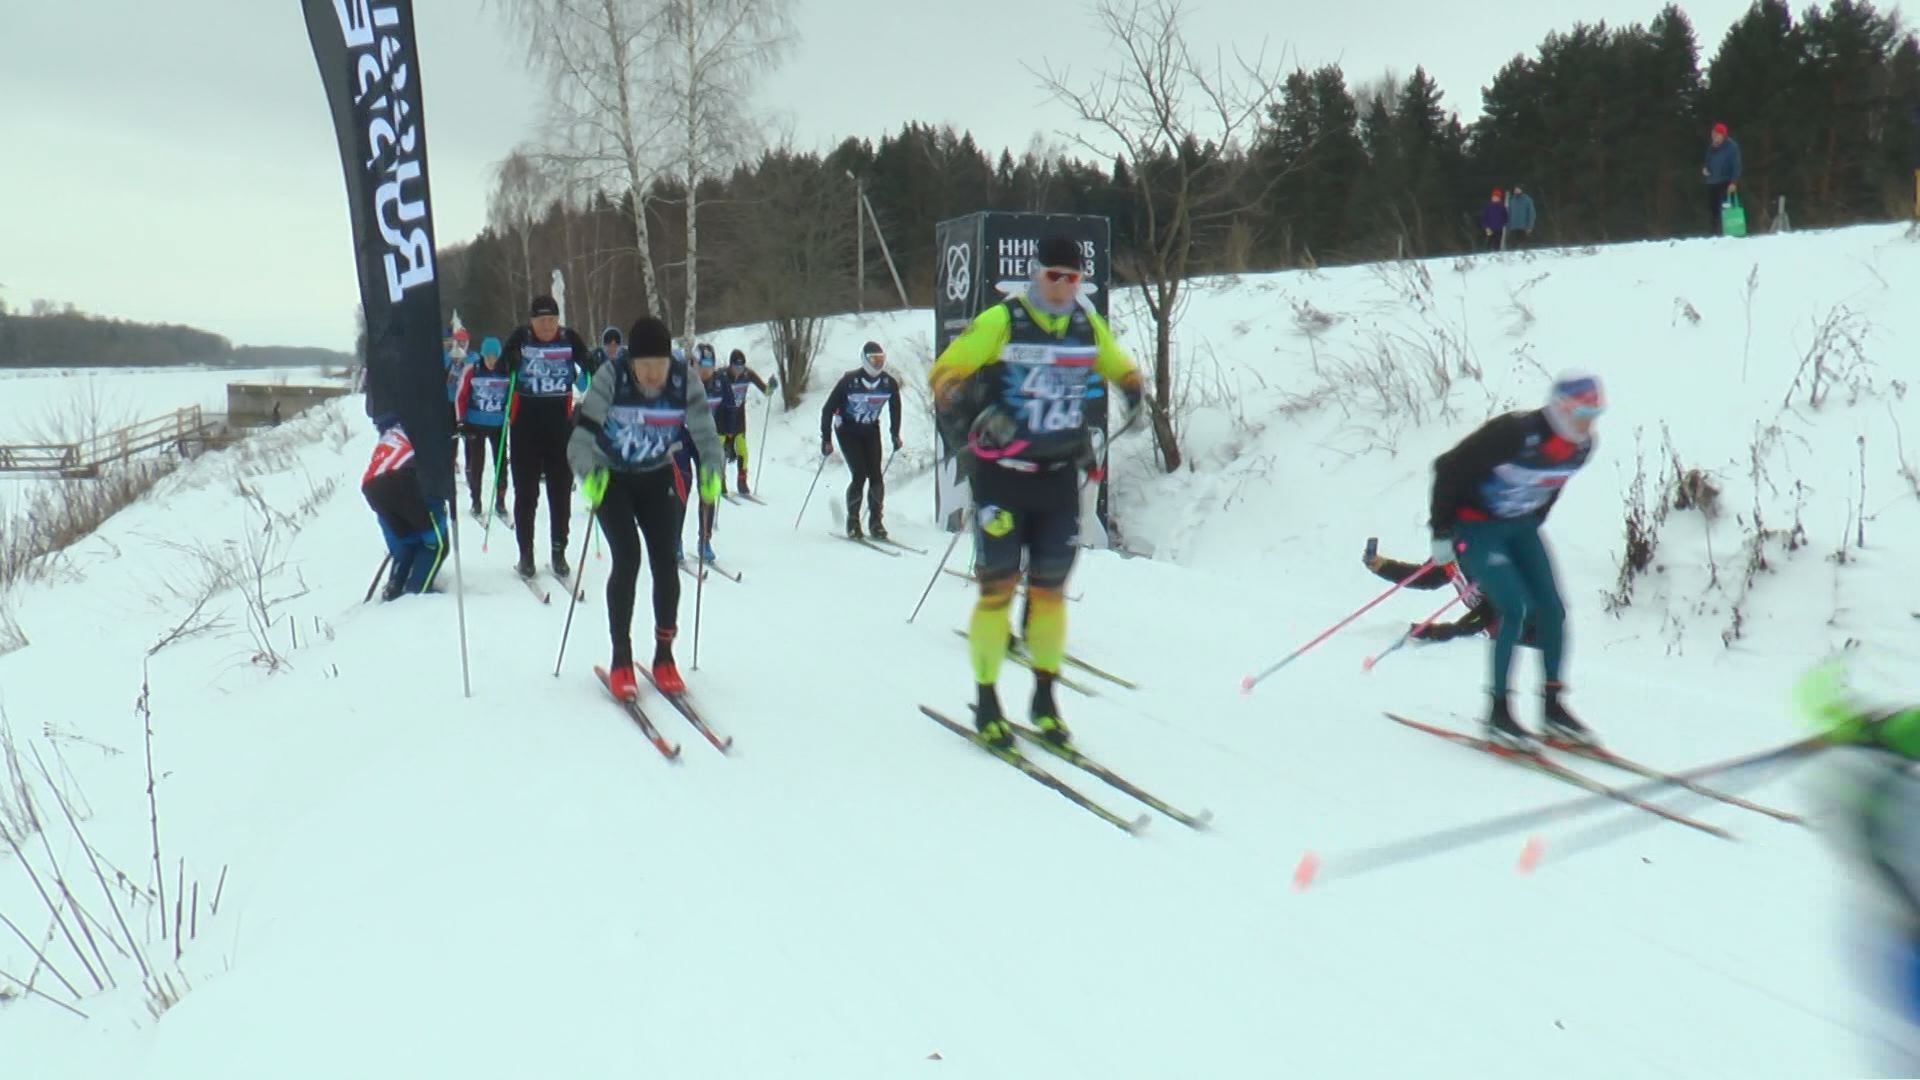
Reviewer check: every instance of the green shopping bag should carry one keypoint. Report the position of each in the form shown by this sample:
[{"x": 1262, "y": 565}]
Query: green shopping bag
[{"x": 1733, "y": 216}]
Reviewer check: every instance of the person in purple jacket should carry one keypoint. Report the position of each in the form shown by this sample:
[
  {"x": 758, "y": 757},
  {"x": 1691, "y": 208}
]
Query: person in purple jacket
[{"x": 1493, "y": 222}]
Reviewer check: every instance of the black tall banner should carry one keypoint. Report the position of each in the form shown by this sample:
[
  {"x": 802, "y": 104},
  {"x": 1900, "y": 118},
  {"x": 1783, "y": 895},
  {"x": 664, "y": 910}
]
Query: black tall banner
[
  {"x": 982, "y": 260},
  {"x": 371, "y": 71}
]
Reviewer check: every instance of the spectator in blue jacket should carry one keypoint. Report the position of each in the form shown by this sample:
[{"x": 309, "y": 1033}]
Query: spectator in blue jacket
[
  {"x": 1520, "y": 216},
  {"x": 1493, "y": 222},
  {"x": 1722, "y": 174}
]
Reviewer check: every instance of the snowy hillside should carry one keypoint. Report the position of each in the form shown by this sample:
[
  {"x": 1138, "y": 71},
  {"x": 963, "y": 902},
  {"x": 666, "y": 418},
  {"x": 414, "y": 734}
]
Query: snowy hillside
[{"x": 421, "y": 885}]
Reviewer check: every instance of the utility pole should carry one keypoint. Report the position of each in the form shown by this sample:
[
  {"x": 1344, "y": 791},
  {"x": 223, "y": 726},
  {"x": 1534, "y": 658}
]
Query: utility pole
[{"x": 860, "y": 231}]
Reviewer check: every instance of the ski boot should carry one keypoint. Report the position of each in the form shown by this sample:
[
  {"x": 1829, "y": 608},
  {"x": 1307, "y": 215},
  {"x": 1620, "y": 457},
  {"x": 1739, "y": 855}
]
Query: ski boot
[
  {"x": 1045, "y": 714},
  {"x": 706, "y": 551},
  {"x": 875, "y": 527},
  {"x": 853, "y": 528},
  {"x": 741, "y": 486},
  {"x": 1562, "y": 725},
  {"x": 525, "y": 567},
  {"x": 621, "y": 682},
  {"x": 1506, "y": 733},
  {"x": 560, "y": 565},
  {"x": 500, "y": 509},
  {"x": 666, "y": 674},
  {"x": 990, "y": 722},
  {"x": 475, "y": 506},
  {"x": 679, "y": 551}
]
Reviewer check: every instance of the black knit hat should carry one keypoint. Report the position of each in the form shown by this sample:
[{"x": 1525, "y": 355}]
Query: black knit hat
[
  {"x": 736, "y": 357},
  {"x": 649, "y": 337},
  {"x": 872, "y": 348},
  {"x": 1058, "y": 250},
  {"x": 544, "y": 305}
]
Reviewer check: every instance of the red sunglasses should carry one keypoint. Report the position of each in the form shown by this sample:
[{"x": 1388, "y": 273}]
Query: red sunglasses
[{"x": 1073, "y": 276}]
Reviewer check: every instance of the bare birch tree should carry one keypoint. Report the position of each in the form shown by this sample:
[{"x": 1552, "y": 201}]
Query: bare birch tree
[
  {"x": 705, "y": 57},
  {"x": 521, "y": 192},
  {"x": 1181, "y": 126},
  {"x": 601, "y": 90}
]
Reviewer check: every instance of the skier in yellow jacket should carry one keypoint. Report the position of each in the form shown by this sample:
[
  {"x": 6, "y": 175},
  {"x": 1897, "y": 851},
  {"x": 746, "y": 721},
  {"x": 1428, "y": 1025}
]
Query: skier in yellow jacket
[{"x": 1010, "y": 393}]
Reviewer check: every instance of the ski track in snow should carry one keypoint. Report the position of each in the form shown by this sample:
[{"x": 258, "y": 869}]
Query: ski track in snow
[{"x": 516, "y": 884}]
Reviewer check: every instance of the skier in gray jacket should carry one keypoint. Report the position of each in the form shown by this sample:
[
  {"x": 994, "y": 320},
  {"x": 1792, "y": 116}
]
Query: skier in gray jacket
[{"x": 625, "y": 434}]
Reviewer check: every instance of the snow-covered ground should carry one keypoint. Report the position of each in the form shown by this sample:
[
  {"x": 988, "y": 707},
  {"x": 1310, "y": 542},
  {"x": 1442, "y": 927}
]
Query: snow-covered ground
[{"x": 421, "y": 884}]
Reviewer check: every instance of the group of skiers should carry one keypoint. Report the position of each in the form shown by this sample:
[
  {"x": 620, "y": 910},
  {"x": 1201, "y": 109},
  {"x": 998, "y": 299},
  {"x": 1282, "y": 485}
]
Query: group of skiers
[{"x": 654, "y": 431}]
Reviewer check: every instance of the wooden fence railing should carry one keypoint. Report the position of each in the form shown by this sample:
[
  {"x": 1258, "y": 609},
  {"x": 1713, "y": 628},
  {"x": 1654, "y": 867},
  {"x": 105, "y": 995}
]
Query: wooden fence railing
[{"x": 184, "y": 431}]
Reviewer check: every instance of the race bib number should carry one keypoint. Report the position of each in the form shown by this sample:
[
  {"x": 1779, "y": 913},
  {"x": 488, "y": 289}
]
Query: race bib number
[
  {"x": 1515, "y": 490},
  {"x": 1048, "y": 386},
  {"x": 489, "y": 395},
  {"x": 546, "y": 376},
  {"x": 864, "y": 408},
  {"x": 636, "y": 433}
]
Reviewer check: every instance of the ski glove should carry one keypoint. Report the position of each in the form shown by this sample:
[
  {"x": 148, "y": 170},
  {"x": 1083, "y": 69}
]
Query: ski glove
[
  {"x": 1443, "y": 551},
  {"x": 773, "y": 383},
  {"x": 594, "y": 487},
  {"x": 709, "y": 486},
  {"x": 826, "y": 447},
  {"x": 897, "y": 443}
]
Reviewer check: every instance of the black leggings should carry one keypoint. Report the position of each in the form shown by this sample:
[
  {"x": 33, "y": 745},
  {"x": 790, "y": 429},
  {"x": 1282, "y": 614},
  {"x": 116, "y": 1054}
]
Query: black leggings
[
  {"x": 483, "y": 451},
  {"x": 861, "y": 445},
  {"x": 640, "y": 506},
  {"x": 540, "y": 454}
]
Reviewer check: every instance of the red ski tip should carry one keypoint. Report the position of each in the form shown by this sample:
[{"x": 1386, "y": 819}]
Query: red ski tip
[
  {"x": 1303, "y": 874},
  {"x": 1530, "y": 856},
  {"x": 1246, "y": 685}
]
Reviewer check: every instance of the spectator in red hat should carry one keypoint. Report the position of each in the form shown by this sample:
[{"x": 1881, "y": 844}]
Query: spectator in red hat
[
  {"x": 1493, "y": 221},
  {"x": 1722, "y": 174}
]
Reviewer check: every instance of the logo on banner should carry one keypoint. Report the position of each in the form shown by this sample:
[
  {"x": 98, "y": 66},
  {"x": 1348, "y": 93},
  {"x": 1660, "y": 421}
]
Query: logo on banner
[
  {"x": 393, "y": 138},
  {"x": 959, "y": 273}
]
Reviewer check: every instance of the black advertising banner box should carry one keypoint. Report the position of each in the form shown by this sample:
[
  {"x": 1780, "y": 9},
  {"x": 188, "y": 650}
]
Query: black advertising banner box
[
  {"x": 984, "y": 258},
  {"x": 370, "y": 68}
]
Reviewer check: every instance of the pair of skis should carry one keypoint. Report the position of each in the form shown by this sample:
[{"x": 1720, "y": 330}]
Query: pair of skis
[
  {"x": 1540, "y": 762},
  {"x": 888, "y": 547},
  {"x": 668, "y": 749},
  {"x": 543, "y": 593},
  {"x": 1013, "y": 756},
  {"x": 694, "y": 570}
]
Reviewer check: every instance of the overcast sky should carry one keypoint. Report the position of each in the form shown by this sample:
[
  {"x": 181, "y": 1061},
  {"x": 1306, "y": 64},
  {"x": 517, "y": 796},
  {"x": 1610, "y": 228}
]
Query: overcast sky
[{"x": 175, "y": 161}]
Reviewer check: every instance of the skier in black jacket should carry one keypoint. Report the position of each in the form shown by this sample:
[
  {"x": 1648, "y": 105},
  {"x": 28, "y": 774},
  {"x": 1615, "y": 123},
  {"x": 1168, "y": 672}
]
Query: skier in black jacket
[
  {"x": 855, "y": 403},
  {"x": 544, "y": 359},
  {"x": 1491, "y": 493}
]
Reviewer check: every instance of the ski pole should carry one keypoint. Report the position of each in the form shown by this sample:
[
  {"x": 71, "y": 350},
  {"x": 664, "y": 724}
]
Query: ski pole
[
  {"x": 1412, "y": 632},
  {"x": 699, "y": 594},
  {"x": 764, "y": 421},
  {"x": 573, "y": 597},
  {"x": 385, "y": 561},
  {"x": 1247, "y": 684},
  {"x": 928, "y": 591},
  {"x": 824, "y": 458}
]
